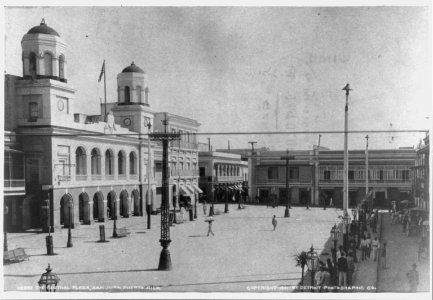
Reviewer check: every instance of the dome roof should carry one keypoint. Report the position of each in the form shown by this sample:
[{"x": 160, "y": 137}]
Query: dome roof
[
  {"x": 132, "y": 69},
  {"x": 43, "y": 28}
]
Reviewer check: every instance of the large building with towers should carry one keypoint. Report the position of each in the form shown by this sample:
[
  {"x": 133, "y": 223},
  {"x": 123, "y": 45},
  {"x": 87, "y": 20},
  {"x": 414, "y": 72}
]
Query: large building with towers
[{"x": 97, "y": 166}]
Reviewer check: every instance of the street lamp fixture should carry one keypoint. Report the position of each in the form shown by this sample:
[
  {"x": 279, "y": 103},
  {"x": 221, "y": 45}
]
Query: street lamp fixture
[
  {"x": 48, "y": 281},
  {"x": 312, "y": 260},
  {"x": 335, "y": 236}
]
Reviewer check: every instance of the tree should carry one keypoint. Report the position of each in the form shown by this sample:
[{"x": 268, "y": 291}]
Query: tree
[{"x": 301, "y": 261}]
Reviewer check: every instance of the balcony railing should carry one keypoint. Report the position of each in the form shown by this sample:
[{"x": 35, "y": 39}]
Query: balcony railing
[
  {"x": 14, "y": 183},
  {"x": 134, "y": 177},
  {"x": 81, "y": 177},
  {"x": 96, "y": 177},
  {"x": 121, "y": 177},
  {"x": 235, "y": 178},
  {"x": 110, "y": 177},
  {"x": 370, "y": 181}
]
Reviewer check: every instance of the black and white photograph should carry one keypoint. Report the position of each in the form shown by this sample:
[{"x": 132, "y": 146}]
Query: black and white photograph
[{"x": 189, "y": 149}]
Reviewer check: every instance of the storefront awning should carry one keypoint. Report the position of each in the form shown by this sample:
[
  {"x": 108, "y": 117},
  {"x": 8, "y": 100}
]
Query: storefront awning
[
  {"x": 190, "y": 189},
  {"x": 184, "y": 191},
  {"x": 197, "y": 189}
]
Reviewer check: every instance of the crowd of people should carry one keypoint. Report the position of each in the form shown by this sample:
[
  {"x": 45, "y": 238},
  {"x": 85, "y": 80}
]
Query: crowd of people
[{"x": 331, "y": 275}]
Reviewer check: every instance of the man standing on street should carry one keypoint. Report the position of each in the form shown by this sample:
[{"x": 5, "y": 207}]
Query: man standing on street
[
  {"x": 413, "y": 278},
  {"x": 210, "y": 220},
  {"x": 375, "y": 247},
  {"x": 274, "y": 222},
  {"x": 342, "y": 270}
]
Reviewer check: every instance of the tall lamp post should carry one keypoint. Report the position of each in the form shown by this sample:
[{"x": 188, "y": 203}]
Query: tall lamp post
[
  {"x": 312, "y": 259},
  {"x": 69, "y": 243},
  {"x": 335, "y": 236},
  {"x": 115, "y": 219},
  {"x": 5, "y": 237},
  {"x": 288, "y": 204},
  {"x": 346, "y": 159},
  {"x": 226, "y": 204},
  {"x": 346, "y": 221},
  {"x": 49, "y": 238},
  {"x": 149, "y": 174},
  {"x": 164, "y": 258}
]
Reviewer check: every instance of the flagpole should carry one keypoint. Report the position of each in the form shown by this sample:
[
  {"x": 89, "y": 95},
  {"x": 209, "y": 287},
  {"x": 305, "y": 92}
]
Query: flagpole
[{"x": 105, "y": 95}]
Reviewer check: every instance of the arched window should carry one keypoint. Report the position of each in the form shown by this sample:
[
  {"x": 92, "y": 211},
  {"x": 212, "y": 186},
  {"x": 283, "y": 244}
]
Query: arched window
[
  {"x": 121, "y": 163},
  {"x": 32, "y": 64},
  {"x": 132, "y": 163},
  {"x": 48, "y": 64},
  {"x": 138, "y": 93},
  {"x": 109, "y": 163},
  {"x": 127, "y": 95},
  {"x": 80, "y": 161},
  {"x": 62, "y": 67},
  {"x": 95, "y": 162}
]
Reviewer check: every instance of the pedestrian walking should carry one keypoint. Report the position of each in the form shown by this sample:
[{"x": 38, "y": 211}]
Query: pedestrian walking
[
  {"x": 350, "y": 268},
  {"x": 342, "y": 270},
  {"x": 339, "y": 252},
  {"x": 368, "y": 245},
  {"x": 364, "y": 246},
  {"x": 383, "y": 255},
  {"x": 274, "y": 222},
  {"x": 331, "y": 203},
  {"x": 413, "y": 279},
  {"x": 375, "y": 247},
  {"x": 209, "y": 231}
]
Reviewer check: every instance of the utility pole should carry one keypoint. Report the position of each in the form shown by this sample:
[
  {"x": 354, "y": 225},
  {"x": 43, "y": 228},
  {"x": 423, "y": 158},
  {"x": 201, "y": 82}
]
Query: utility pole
[
  {"x": 288, "y": 203},
  {"x": 346, "y": 159},
  {"x": 366, "y": 172}
]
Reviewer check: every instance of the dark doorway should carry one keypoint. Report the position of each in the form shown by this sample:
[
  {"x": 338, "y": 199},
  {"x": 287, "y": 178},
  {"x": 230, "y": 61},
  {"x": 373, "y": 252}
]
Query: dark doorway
[
  {"x": 304, "y": 197},
  {"x": 379, "y": 200}
]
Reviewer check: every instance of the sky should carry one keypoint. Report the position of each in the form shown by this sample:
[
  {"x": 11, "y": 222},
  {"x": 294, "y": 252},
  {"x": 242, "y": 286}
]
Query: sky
[{"x": 253, "y": 69}]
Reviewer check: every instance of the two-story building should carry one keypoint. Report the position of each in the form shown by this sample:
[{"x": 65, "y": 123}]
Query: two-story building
[
  {"x": 91, "y": 168},
  {"x": 317, "y": 176},
  {"x": 222, "y": 175},
  {"x": 421, "y": 176}
]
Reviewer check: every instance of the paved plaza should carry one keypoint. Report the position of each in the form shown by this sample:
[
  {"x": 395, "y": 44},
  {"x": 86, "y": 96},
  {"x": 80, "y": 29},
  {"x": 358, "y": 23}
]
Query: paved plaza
[{"x": 244, "y": 255}]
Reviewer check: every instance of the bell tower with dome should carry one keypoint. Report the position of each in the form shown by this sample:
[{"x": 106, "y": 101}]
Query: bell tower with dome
[
  {"x": 44, "y": 97},
  {"x": 132, "y": 110}
]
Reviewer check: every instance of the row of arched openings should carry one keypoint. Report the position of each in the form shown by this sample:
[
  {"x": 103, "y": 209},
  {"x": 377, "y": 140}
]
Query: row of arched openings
[
  {"x": 99, "y": 212},
  {"x": 95, "y": 168},
  {"x": 48, "y": 61}
]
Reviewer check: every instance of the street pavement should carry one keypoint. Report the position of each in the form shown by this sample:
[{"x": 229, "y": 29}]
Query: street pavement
[
  {"x": 245, "y": 255},
  {"x": 402, "y": 252}
]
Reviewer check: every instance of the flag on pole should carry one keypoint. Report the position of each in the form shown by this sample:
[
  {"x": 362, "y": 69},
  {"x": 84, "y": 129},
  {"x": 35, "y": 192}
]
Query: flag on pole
[{"x": 102, "y": 71}]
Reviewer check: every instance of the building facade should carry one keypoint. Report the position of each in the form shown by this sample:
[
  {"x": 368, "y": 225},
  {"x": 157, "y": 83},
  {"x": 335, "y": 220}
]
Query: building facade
[
  {"x": 315, "y": 177},
  {"x": 223, "y": 176},
  {"x": 79, "y": 168},
  {"x": 421, "y": 176}
]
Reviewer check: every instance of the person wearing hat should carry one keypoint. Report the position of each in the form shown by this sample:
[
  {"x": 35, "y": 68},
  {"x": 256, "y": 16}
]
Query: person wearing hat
[
  {"x": 383, "y": 255},
  {"x": 413, "y": 278},
  {"x": 274, "y": 222}
]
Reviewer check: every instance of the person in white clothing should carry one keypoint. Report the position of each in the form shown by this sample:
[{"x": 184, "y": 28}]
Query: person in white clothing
[{"x": 375, "y": 246}]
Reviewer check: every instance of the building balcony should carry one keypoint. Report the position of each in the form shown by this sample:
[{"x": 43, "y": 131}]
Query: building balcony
[
  {"x": 96, "y": 177},
  {"x": 362, "y": 181},
  {"x": 14, "y": 185},
  {"x": 81, "y": 177},
  {"x": 121, "y": 177},
  {"x": 232, "y": 179},
  {"x": 110, "y": 177},
  {"x": 134, "y": 177}
]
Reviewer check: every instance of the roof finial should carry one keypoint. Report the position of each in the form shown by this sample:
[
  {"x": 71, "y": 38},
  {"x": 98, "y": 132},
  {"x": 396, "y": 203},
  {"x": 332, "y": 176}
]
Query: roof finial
[
  {"x": 43, "y": 22},
  {"x": 132, "y": 63}
]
